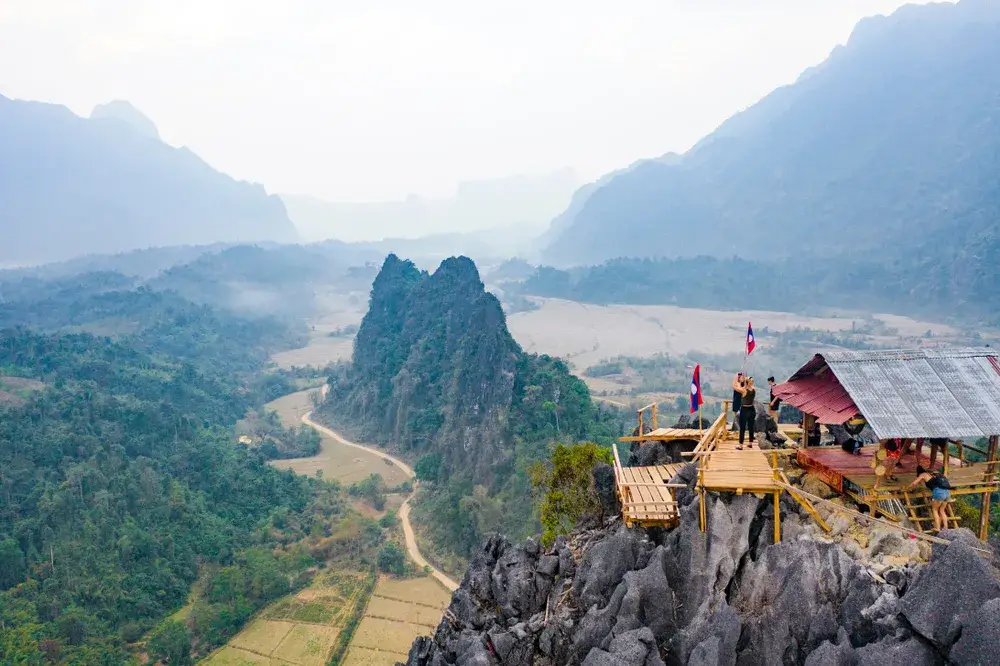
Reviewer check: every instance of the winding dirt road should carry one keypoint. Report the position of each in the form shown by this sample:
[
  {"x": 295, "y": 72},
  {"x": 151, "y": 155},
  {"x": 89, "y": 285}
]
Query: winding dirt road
[{"x": 404, "y": 510}]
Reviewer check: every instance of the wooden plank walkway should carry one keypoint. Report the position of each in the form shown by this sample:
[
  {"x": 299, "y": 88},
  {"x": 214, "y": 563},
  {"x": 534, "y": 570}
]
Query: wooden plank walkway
[
  {"x": 726, "y": 468},
  {"x": 666, "y": 435}
]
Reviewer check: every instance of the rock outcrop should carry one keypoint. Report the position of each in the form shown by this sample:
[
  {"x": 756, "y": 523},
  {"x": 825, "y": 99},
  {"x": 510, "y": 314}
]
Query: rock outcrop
[{"x": 728, "y": 596}]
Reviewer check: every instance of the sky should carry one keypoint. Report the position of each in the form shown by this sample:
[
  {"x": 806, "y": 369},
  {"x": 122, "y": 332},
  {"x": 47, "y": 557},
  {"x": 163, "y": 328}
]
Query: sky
[{"x": 375, "y": 100}]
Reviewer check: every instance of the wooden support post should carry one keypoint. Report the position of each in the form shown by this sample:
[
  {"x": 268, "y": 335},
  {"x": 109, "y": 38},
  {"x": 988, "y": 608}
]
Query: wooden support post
[
  {"x": 947, "y": 454},
  {"x": 703, "y": 516},
  {"x": 984, "y": 509},
  {"x": 654, "y": 416},
  {"x": 807, "y": 424},
  {"x": 777, "y": 517}
]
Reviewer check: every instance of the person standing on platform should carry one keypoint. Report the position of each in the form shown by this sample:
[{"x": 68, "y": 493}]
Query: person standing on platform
[
  {"x": 774, "y": 403},
  {"x": 748, "y": 413}
]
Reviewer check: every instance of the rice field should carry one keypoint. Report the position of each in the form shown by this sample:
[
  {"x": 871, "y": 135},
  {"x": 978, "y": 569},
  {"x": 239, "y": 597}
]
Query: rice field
[
  {"x": 399, "y": 610},
  {"x": 299, "y": 630}
]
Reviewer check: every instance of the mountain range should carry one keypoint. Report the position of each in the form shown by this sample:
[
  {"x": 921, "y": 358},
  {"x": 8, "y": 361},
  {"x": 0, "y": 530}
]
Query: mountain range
[
  {"x": 71, "y": 186},
  {"x": 891, "y": 147},
  {"x": 521, "y": 205}
]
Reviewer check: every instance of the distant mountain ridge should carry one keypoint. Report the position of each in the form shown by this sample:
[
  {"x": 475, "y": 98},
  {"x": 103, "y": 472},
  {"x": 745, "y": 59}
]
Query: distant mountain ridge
[
  {"x": 895, "y": 136},
  {"x": 71, "y": 186},
  {"x": 526, "y": 201}
]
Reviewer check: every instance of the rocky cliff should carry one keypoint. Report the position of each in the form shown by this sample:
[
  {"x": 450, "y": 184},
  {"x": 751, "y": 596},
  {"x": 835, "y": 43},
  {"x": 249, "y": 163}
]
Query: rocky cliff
[
  {"x": 435, "y": 371},
  {"x": 729, "y": 596}
]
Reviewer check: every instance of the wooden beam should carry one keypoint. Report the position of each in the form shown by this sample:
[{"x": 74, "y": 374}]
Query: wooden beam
[
  {"x": 984, "y": 507},
  {"x": 777, "y": 517},
  {"x": 807, "y": 424}
]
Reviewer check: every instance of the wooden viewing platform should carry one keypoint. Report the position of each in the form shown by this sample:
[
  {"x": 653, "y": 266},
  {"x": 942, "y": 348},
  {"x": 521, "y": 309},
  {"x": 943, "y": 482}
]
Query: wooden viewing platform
[{"x": 648, "y": 498}]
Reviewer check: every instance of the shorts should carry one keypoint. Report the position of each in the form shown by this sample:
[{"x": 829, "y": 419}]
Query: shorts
[
  {"x": 894, "y": 455},
  {"x": 940, "y": 494}
]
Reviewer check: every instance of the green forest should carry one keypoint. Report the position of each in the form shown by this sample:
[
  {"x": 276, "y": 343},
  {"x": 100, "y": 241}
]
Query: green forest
[
  {"x": 959, "y": 285},
  {"x": 122, "y": 485}
]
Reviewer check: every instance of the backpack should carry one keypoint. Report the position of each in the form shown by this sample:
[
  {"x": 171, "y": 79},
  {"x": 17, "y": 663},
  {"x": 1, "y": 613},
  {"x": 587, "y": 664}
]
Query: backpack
[{"x": 941, "y": 481}]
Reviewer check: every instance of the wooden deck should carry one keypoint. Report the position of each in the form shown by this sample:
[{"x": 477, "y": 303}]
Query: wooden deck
[
  {"x": 853, "y": 476},
  {"x": 646, "y": 494},
  {"x": 666, "y": 435}
]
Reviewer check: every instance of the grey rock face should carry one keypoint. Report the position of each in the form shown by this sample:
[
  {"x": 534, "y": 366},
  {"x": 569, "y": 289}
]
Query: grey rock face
[
  {"x": 980, "y": 641},
  {"x": 725, "y": 597},
  {"x": 948, "y": 591}
]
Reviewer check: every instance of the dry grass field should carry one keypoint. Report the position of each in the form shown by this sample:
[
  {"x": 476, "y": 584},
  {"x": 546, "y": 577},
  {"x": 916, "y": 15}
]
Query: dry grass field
[
  {"x": 587, "y": 334},
  {"x": 320, "y": 352},
  {"x": 343, "y": 463},
  {"x": 398, "y": 612},
  {"x": 300, "y": 629}
]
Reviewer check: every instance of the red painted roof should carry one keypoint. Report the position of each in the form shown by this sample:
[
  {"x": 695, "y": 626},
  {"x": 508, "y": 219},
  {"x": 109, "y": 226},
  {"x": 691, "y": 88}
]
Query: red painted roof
[{"x": 820, "y": 395}]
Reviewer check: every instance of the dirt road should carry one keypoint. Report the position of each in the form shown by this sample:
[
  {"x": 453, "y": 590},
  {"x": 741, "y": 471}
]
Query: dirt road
[{"x": 404, "y": 510}]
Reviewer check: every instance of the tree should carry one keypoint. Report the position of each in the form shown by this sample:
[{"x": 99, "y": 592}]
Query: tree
[
  {"x": 391, "y": 559},
  {"x": 567, "y": 485},
  {"x": 11, "y": 564},
  {"x": 171, "y": 643},
  {"x": 427, "y": 467}
]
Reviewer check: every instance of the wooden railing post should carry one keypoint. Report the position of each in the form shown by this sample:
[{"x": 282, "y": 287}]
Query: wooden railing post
[{"x": 984, "y": 511}]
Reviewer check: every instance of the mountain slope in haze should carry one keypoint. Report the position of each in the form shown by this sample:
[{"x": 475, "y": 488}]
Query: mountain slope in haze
[
  {"x": 71, "y": 186},
  {"x": 895, "y": 137},
  {"x": 123, "y": 111},
  {"x": 514, "y": 202}
]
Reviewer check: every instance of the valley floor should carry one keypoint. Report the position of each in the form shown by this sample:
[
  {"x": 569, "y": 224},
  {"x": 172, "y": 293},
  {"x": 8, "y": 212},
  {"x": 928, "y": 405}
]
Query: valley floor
[{"x": 386, "y": 614}]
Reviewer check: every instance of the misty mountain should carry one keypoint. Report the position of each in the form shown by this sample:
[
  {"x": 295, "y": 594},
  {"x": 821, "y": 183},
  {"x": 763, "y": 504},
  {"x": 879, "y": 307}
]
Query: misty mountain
[
  {"x": 123, "y": 111},
  {"x": 71, "y": 186},
  {"x": 889, "y": 147},
  {"x": 526, "y": 202}
]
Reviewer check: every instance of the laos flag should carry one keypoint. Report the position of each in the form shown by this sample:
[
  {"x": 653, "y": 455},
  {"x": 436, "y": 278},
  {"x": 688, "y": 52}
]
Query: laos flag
[
  {"x": 696, "y": 400},
  {"x": 751, "y": 343}
]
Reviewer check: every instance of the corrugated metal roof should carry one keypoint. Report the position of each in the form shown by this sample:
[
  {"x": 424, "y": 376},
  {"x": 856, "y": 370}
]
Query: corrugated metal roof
[
  {"x": 820, "y": 395},
  {"x": 917, "y": 393}
]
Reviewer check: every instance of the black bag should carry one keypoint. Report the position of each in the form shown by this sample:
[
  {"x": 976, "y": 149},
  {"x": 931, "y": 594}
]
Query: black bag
[{"x": 941, "y": 481}]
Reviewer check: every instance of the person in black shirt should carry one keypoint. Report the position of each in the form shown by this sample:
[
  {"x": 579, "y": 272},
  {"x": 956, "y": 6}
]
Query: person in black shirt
[
  {"x": 773, "y": 403},
  {"x": 940, "y": 489},
  {"x": 748, "y": 412}
]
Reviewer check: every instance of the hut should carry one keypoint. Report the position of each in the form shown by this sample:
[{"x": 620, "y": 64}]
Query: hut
[{"x": 908, "y": 395}]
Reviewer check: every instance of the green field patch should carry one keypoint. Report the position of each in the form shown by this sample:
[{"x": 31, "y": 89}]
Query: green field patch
[{"x": 321, "y": 610}]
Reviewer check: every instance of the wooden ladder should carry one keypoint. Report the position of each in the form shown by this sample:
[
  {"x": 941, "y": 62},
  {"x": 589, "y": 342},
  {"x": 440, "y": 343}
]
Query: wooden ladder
[{"x": 914, "y": 504}]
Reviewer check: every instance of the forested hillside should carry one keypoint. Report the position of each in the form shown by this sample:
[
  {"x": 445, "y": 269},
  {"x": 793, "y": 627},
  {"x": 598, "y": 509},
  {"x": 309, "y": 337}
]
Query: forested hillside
[
  {"x": 920, "y": 285},
  {"x": 121, "y": 482},
  {"x": 436, "y": 373},
  {"x": 887, "y": 151}
]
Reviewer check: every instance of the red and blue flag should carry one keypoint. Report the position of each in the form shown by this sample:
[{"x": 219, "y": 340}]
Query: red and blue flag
[
  {"x": 696, "y": 400},
  {"x": 751, "y": 343}
]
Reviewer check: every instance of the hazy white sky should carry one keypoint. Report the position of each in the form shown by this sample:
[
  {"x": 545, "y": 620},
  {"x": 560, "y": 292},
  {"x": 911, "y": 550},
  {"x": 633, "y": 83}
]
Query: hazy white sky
[{"x": 376, "y": 99}]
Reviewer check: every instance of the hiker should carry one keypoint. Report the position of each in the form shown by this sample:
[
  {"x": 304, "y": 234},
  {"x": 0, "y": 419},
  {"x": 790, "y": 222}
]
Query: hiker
[
  {"x": 737, "y": 397},
  {"x": 774, "y": 403},
  {"x": 940, "y": 495},
  {"x": 748, "y": 414},
  {"x": 937, "y": 444},
  {"x": 894, "y": 450}
]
